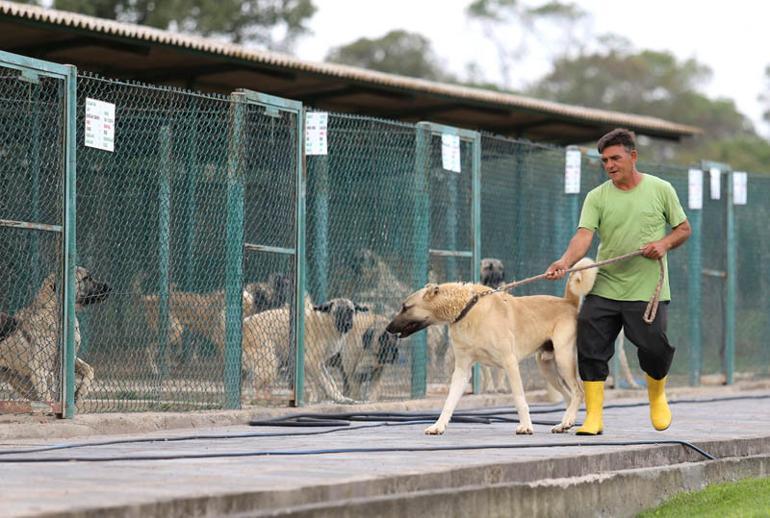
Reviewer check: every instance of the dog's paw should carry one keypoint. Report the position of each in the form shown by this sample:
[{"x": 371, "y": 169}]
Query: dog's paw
[
  {"x": 435, "y": 429},
  {"x": 524, "y": 429},
  {"x": 562, "y": 428}
]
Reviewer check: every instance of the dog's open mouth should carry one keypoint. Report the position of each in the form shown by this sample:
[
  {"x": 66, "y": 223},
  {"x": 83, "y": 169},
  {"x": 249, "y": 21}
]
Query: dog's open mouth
[{"x": 407, "y": 328}]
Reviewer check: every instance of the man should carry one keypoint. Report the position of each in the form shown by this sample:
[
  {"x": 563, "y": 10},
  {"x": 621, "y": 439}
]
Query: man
[{"x": 630, "y": 211}]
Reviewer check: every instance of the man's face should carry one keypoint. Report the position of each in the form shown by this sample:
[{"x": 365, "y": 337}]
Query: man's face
[{"x": 619, "y": 163}]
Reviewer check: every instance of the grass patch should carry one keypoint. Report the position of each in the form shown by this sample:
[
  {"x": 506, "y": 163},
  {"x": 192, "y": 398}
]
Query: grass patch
[{"x": 746, "y": 498}]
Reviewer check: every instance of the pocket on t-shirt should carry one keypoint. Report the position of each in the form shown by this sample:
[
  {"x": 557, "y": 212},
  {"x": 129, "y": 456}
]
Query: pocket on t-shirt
[{"x": 652, "y": 226}]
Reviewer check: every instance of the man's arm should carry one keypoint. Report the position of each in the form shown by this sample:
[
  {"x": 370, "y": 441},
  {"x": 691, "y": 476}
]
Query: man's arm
[
  {"x": 577, "y": 249},
  {"x": 675, "y": 238}
]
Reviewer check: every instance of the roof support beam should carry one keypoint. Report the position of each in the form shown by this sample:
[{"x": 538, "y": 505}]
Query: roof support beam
[{"x": 53, "y": 46}]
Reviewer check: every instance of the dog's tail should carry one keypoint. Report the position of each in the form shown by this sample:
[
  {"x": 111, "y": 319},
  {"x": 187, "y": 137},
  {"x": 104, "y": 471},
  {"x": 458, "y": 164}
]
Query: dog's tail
[{"x": 580, "y": 283}]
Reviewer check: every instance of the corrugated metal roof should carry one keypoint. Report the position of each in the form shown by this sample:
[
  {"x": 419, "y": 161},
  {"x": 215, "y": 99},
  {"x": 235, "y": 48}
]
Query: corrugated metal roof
[{"x": 240, "y": 52}]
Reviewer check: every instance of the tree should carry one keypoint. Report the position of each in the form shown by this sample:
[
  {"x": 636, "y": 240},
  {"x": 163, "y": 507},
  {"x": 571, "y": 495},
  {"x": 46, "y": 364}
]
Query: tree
[
  {"x": 274, "y": 24},
  {"x": 765, "y": 96},
  {"x": 657, "y": 84},
  {"x": 397, "y": 52},
  {"x": 509, "y": 25}
]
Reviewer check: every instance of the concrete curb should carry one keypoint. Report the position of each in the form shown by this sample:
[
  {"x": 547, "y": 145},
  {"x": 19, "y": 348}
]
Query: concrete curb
[
  {"x": 617, "y": 494},
  {"x": 619, "y": 483}
]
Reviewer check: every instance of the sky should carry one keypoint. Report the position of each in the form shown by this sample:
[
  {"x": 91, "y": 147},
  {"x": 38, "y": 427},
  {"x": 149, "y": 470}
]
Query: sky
[{"x": 733, "y": 38}]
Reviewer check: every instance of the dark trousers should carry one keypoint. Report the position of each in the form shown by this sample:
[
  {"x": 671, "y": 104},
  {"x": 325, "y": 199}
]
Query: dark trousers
[{"x": 599, "y": 323}]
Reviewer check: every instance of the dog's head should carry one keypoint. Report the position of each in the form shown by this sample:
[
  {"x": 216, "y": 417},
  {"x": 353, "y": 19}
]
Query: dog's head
[
  {"x": 492, "y": 272},
  {"x": 342, "y": 311},
  {"x": 382, "y": 344},
  {"x": 282, "y": 286},
  {"x": 273, "y": 293},
  {"x": 418, "y": 311},
  {"x": 87, "y": 289}
]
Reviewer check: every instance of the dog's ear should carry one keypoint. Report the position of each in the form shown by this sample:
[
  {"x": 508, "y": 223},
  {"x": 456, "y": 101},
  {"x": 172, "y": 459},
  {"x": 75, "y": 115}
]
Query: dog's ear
[
  {"x": 324, "y": 308},
  {"x": 361, "y": 309},
  {"x": 431, "y": 290}
]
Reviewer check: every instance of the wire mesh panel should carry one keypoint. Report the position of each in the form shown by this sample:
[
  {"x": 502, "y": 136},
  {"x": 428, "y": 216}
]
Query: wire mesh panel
[
  {"x": 527, "y": 220},
  {"x": 451, "y": 239},
  {"x": 32, "y": 172},
  {"x": 270, "y": 234},
  {"x": 752, "y": 348},
  {"x": 152, "y": 223},
  {"x": 714, "y": 259},
  {"x": 364, "y": 257},
  {"x": 451, "y": 234}
]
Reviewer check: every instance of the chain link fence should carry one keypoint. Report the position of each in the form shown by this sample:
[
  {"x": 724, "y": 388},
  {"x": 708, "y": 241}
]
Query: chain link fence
[
  {"x": 214, "y": 249},
  {"x": 752, "y": 349},
  {"x": 32, "y": 172}
]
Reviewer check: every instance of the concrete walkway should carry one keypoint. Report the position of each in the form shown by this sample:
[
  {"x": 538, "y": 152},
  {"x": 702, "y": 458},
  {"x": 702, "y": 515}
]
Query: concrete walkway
[{"x": 296, "y": 479}]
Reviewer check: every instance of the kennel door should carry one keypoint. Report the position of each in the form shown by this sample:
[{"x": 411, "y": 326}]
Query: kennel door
[
  {"x": 37, "y": 229},
  {"x": 273, "y": 196}
]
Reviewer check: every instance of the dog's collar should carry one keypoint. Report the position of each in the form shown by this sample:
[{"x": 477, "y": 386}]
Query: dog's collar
[{"x": 472, "y": 303}]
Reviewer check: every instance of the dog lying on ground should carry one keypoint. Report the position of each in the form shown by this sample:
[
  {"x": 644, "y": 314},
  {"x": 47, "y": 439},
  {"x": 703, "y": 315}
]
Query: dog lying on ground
[
  {"x": 367, "y": 350},
  {"x": 267, "y": 343},
  {"x": 204, "y": 314},
  {"x": 501, "y": 330},
  {"x": 29, "y": 353}
]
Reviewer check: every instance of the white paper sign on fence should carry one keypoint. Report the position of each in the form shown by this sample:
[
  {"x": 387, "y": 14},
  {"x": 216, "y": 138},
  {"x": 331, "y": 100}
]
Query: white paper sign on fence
[
  {"x": 572, "y": 171},
  {"x": 450, "y": 152},
  {"x": 100, "y": 125},
  {"x": 695, "y": 189},
  {"x": 740, "y": 188},
  {"x": 716, "y": 182},
  {"x": 315, "y": 133}
]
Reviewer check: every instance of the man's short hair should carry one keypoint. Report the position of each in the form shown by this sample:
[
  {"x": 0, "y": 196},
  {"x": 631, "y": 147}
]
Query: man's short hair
[{"x": 617, "y": 137}]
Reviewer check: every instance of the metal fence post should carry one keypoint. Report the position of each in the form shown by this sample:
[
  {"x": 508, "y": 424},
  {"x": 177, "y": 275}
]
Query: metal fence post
[
  {"x": 476, "y": 236},
  {"x": 69, "y": 234},
  {"x": 300, "y": 262},
  {"x": 190, "y": 208},
  {"x": 520, "y": 226},
  {"x": 731, "y": 285},
  {"x": 35, "y": 167},
  {"x": 234, "y": 253},
  {"x": 694, "y": 289},
  {"x": 164, "y": 252},
  {"x": 320, "y": 178},
  {"x": 420, "y": 251}
]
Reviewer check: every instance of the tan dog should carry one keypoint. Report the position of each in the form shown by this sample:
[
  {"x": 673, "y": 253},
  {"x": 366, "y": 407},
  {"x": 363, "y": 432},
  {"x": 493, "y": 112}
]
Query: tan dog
[
  {"x": 204, "y": 313},
  {"x": 502, "y": 330},
  {"x": 199, "y": 313},
  {"x": 29, "y": 352},
  {"x": 267, "y": 340}
]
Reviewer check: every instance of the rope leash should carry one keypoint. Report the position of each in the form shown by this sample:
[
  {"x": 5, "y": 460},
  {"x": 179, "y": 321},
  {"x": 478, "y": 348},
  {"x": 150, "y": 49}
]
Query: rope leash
[{"x": 649, "y": 313}]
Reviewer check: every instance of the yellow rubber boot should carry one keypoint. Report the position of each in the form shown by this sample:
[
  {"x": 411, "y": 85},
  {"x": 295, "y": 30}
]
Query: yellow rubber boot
[
  {"x": 592, "y": 425},
  {"x": 660, "y": 414}
]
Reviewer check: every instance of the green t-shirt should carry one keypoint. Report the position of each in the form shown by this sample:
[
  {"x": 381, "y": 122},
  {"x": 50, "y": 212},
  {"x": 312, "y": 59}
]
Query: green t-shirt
[{"x": 627, "y": 220}]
